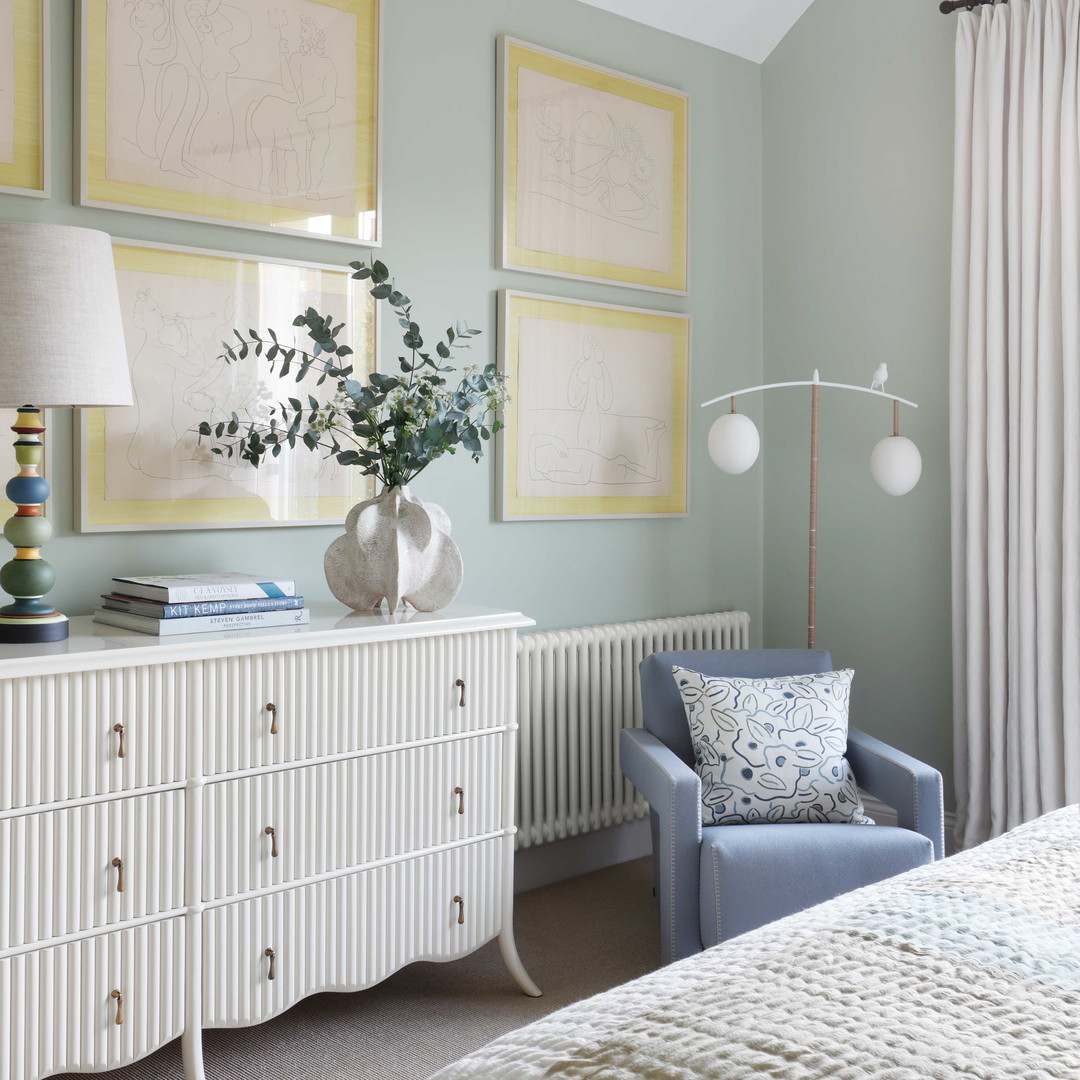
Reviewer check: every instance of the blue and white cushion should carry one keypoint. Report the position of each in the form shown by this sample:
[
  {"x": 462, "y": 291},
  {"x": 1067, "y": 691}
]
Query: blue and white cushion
[{"x": 772, "y": 750}]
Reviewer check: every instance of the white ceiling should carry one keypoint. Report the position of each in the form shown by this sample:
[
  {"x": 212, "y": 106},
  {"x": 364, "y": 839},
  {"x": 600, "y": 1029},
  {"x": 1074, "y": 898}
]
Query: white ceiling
[{"x": 748, "y": 28}]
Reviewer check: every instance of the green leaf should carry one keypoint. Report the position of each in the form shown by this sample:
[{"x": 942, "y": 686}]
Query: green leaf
[{"x": 379, "y": 273}]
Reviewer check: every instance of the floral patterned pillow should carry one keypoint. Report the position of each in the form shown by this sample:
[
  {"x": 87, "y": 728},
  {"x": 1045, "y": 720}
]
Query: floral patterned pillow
[{"x": 772, "y": 750}]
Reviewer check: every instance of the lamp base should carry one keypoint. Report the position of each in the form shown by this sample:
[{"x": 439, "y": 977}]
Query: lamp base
[
  {"x": 28, "y": 577},
  {"x": 29, "y": 631}
]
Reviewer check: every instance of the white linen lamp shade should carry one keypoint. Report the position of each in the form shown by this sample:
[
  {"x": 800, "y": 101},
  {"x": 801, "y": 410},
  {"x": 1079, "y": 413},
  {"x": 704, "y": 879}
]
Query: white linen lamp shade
[
  {"x": 734, "y": 443},
  {"x": 896, "y": 465},
  {"x": 61, "y": 344}
]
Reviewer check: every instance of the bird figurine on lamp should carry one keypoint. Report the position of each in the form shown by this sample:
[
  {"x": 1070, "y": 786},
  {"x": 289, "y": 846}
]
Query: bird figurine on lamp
[
  {"x": 895, "y": 462},
  {"x": 69, "y": 274}
]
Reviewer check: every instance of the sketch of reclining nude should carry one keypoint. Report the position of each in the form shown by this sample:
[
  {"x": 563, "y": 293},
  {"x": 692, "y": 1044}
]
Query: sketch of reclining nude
[
  {"x": 589, "y": 443},
  {"x": 599, "y": 165},
  {"x": 233, "y": 97}
]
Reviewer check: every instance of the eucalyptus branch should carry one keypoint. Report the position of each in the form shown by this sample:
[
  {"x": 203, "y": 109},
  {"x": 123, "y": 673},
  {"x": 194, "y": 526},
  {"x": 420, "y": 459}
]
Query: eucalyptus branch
[{"x": 393, "y": 426}]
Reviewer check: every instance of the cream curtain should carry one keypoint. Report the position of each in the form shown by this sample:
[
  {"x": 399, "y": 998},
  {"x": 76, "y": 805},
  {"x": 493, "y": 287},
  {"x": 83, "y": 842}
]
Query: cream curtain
[{"x": 1015, "y": 414}]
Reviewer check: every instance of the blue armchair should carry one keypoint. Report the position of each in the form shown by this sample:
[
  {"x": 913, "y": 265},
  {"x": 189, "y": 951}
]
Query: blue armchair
[{"x": 715, "y": 882}]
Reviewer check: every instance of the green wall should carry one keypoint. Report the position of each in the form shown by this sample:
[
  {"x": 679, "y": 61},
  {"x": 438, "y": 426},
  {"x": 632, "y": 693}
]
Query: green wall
[
  {"x": 439, "y": 220},
  {"x": 858, "y": 171}
]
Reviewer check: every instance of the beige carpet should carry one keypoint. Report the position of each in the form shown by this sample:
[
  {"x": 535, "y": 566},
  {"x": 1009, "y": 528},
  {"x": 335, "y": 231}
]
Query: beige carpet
[{"x": 576, "y": 938}]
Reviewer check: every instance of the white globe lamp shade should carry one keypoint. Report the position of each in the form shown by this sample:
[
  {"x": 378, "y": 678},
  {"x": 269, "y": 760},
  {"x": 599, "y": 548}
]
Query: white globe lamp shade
[
  {"x": 734, "y": 443},
  {"x": 896, "y": 465}
]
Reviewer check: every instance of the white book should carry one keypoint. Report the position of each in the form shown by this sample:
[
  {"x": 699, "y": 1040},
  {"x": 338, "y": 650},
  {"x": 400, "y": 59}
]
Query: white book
[
  {"x": 199, "y": 624},
  {"x": 193, "y": 588}
]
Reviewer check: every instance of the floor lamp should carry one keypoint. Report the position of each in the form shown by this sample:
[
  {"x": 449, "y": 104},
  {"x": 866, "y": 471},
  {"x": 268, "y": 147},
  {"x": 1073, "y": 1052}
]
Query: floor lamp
[
  {"x": 62, "y": 344},
  {"x": 895, "y": 462}
]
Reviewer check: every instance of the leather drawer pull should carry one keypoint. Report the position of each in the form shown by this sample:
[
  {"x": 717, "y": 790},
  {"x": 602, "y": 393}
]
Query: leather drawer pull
[
  {"x": 461, "y": 683},
  {"x": 122, "y": 751},
  {"x": 271, "y": 708},
  {"x": 271, "y": 973},
  {"x": 119, "y": 999},
  {"x": 460, "y": 910},
  {"x": 272, "y": 833},
  {"x": 119, "y": 864},
  {"x": 460, "y": 793}
]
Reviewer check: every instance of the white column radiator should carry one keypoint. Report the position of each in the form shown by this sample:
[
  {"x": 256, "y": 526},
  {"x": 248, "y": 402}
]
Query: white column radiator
[{"x": 577, "y": 689}]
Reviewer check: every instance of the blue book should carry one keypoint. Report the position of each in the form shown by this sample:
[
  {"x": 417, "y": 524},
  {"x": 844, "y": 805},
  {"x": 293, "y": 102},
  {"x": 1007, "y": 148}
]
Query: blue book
[{"x": 134, "y": 606}]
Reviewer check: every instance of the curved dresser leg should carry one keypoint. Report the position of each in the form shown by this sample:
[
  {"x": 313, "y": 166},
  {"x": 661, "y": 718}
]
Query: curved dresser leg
[
  {"x": 508, "y": 948},
  {"x": 191, "y": 1046}
]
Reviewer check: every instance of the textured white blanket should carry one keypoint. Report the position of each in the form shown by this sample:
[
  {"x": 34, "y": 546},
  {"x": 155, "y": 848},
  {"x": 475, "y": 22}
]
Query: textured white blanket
[{"x": 968, "y": 969}]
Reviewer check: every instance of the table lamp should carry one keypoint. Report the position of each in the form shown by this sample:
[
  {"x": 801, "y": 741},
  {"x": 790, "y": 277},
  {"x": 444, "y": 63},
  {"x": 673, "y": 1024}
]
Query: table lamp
[{"x": 62, "y": 343}]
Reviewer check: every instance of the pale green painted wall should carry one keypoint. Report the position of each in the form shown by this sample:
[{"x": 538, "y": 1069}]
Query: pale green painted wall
[
  {"x": 858, "y": 174},
  {"x": 439, "y": 201}
]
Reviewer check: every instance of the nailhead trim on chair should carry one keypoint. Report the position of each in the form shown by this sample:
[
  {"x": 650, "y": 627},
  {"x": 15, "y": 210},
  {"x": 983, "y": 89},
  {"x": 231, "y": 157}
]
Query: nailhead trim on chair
[
  {"x": 716, "y": 890},
  {"x": 914, "y": 793}
]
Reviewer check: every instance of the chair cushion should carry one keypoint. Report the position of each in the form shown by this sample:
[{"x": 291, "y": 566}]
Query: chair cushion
[
  {"x": 771, "y": 750},
  {"x": 754, "y": 874}
]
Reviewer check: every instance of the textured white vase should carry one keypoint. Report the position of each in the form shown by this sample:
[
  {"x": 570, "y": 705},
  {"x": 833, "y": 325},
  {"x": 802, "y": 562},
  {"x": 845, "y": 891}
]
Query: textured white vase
[{"x": 395, "y": 548}]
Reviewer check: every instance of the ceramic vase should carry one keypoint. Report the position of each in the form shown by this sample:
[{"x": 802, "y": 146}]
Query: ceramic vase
[{"x": 396, "y": 548}]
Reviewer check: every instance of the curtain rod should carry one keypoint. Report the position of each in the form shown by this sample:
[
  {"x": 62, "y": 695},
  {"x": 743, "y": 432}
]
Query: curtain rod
[{"x": 947, "y": 7}]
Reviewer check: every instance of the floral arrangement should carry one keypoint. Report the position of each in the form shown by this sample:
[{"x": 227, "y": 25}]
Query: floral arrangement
[{"x": 394, "y": 426}]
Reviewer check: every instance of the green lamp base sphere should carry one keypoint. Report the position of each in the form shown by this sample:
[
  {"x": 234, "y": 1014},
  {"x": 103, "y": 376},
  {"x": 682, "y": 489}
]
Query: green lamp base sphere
[
  {"x": 28, "y": 532},
  {"x": 27, "y": 577}
]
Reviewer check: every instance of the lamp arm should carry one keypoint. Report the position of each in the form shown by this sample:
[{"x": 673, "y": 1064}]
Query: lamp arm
[{"x": 809, "y": 382}]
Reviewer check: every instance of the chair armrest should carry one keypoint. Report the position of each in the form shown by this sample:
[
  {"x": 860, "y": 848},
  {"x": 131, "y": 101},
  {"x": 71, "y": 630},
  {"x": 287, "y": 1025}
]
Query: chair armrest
[
  {"x": 673, "y": 791},
  {"x": 912, "y": 788}
]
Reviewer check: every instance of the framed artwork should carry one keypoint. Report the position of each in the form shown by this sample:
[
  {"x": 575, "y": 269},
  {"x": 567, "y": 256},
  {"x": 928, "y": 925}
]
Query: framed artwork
[
  {"x": 593, "y": 171},
  {"x": 257, "y": 113},
  {"x": 24, "y": 107},
  {"x": 597, "y": 422},
  {"x": 144, "y": 467}
]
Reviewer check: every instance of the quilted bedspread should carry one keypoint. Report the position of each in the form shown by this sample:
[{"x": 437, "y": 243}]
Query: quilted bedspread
[{"x": 967, "y": 969}]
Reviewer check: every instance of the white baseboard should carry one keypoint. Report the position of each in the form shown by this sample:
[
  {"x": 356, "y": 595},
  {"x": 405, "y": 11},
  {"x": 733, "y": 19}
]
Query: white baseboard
[{"x": 563, "y": 859}]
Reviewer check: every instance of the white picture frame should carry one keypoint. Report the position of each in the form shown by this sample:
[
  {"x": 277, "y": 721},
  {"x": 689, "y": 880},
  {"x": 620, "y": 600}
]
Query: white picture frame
[
  {"x": 597, "y": 425},
  {"x": 265, "y": 207},
  {"x": 25, "y": 58},
  {"x": 142, "y": 468},
  {"x": 620, "y": 213}
]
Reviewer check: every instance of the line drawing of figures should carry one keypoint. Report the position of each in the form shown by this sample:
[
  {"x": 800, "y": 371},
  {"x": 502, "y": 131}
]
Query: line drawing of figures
[
  {"x": 550, "y": 458},
  {"x": 171, "y": 94},
  {"x": 590, "y": 443},
  {"x": 167, "y": 367},
  {"x": 599, "y": 165},
  {"x": 590, "y": 390},
  {"x": 223, "y": 97},
  {"x": 232, "y": 387},
  {"x": 217, "y": 30},
  {"x": 296, "y": 122}
]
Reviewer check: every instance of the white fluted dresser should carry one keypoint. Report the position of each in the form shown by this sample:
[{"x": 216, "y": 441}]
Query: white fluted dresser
[{"x": 198, "y": 832}]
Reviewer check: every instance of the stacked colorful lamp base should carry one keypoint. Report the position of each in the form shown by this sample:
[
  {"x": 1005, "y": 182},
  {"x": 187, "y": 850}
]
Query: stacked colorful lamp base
[{"x": 28, "y": 577}]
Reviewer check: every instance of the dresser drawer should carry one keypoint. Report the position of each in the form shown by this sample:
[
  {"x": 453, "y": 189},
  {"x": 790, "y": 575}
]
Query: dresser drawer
[
  {"x": 312, "y": 703},
  {"x": 350, "y": 932},
  {"x": 58, "y": 1013},
  {"x": 347, "y": 813},
  {"x": 60, "y": 866},
  {"x": 91, "y": 733}
]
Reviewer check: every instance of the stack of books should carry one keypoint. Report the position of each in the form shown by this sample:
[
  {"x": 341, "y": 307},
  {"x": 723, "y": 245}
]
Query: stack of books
[{"x": 197, "y": 603}]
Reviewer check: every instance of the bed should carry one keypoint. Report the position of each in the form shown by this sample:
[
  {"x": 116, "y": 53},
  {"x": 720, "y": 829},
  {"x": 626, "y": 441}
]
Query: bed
[{"x": 966, "y": 968}]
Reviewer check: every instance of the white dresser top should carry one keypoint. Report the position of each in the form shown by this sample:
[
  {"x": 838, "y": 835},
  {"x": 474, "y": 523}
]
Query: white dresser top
[{"x": 94, "y": 645}]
